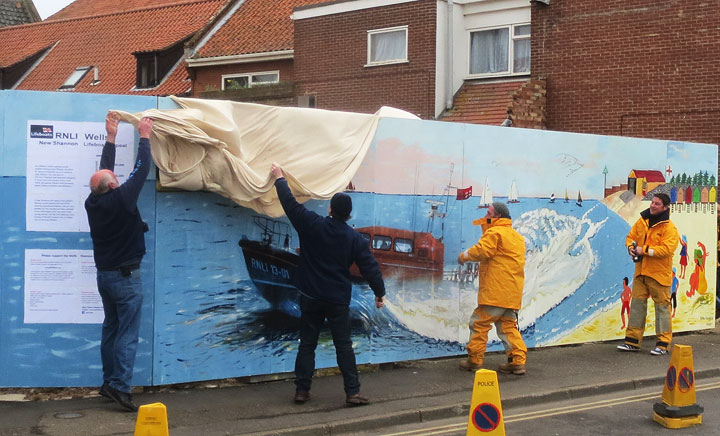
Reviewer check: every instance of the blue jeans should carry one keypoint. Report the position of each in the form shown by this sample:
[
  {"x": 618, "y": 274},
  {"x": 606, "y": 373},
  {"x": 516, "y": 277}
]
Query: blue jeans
[
  {"x": 314, "y": 313},
  {"x": 122, "y": 299}
]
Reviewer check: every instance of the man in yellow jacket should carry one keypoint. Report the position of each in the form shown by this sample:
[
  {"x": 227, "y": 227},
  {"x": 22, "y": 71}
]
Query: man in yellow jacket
[
  {"x": 500, "y": 254},
  {"x": 651, "y": 243}
]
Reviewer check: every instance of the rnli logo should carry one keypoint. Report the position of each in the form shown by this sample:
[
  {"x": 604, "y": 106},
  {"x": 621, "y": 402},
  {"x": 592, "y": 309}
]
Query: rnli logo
[{"x": 40, "y": 131}]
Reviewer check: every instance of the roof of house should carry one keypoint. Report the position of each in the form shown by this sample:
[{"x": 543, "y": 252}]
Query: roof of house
[
  {"x": 89, "y": 8},
  {"x": 258, "y": 26},
  {"x": 15, "y": 12},
  {"x": 482, "y": 103},
  {"x": 649, "y": 175},
  {"x": 107, "y": 42}
]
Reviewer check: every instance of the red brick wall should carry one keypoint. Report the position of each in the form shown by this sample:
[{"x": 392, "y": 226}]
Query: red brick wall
[
  {"x": 642, "y": 68},
  {"x": 331, "y": 51},
  {"x": 211, "y": 76},
  {"x": 528, "y": 105}
]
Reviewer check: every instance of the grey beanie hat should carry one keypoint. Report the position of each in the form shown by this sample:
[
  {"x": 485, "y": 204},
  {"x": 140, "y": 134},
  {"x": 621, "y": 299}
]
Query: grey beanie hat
[{"x": 501, "y": 209}]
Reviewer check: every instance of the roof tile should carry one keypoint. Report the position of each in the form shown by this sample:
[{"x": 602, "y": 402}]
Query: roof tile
[
  {"x": 482, "y": 103},
  {"x": 89, "y": 8}
]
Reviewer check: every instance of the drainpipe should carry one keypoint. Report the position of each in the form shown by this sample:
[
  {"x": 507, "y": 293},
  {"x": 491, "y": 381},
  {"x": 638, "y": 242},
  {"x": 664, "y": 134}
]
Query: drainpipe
[{"x": 449, "y": 78}]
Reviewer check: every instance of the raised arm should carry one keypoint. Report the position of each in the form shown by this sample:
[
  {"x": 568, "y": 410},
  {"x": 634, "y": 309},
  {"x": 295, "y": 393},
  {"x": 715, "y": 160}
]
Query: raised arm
[
  {"x": 107, "y": 159},
  {"x": 299, "y": 216},
  {"x": 136, "y": 180}
]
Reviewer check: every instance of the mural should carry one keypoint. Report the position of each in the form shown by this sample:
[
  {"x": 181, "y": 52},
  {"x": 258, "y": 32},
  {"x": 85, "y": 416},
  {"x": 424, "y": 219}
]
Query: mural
[
  {"x": 218, "y": 277},
  {"x": 415, "y": 198}
]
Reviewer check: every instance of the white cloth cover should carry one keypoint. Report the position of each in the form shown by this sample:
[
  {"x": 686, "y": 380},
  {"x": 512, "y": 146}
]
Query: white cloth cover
[{"x": 227, "y": 148}]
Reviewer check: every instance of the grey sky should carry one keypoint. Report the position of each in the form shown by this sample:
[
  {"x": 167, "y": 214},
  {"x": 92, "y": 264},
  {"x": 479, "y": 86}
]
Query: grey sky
[{"x": 48, "y": 7}]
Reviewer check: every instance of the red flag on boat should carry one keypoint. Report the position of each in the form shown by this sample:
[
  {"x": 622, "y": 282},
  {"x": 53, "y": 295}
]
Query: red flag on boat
[{"x": 464, "y": 193}]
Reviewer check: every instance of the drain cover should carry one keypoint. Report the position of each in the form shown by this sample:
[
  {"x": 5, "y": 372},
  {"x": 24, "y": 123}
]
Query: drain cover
[{"x": 68, "y": 415}]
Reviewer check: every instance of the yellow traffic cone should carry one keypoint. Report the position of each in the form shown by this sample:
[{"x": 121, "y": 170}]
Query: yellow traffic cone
[
  {"x": 486, "y": 417},
  {"x": 678, "y": 408},
  {"x": 152, "y": 420}
]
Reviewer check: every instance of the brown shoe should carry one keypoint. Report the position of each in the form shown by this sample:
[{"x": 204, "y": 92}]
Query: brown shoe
[
  {"x": 356, "y": 400},
  {"x": 302, "y": 397},
  {"x": 509, "y": 368},
  {"x": 468, "y": 365}
]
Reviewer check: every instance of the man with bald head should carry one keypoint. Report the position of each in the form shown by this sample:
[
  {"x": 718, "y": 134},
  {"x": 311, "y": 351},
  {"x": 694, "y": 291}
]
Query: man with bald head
[{"x": 118, "y": 235}]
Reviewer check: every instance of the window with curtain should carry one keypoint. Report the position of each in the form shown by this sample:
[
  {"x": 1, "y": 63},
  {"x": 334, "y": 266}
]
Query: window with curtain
[
  {"x": 387, "y": 46},
  {"x": 500, "y": 51},
  {"x": 248, "y": 80}
]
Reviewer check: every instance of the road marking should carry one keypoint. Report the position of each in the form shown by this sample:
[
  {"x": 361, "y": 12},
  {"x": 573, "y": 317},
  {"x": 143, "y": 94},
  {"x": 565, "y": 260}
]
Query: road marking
[{"x": 548, "y": 412}]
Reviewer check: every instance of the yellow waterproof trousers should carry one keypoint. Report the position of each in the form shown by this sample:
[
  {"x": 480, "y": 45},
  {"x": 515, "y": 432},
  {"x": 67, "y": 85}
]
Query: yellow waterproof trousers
[
  {"x": 643, "y": 288},
  {"x": 505, "y": 321}
]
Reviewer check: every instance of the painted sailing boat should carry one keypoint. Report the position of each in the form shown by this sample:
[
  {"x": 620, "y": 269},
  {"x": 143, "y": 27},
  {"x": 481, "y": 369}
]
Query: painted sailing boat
[
  {"x": 579, "y": 200},
  {"x": 487, "y": 197},
  {"x": 513, "y": 197},
  {"x": 567, "y": 199},
  {"x": 552, "y": 198}
]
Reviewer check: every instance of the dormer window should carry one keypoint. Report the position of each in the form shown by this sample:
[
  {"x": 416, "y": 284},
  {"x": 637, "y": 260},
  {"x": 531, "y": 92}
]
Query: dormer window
[
  {"x": 154, "y": 66},
  {"x": 75, "y": 78},
  {"x": 12, "y": 75},
  {"x": 147, "y": 71}
]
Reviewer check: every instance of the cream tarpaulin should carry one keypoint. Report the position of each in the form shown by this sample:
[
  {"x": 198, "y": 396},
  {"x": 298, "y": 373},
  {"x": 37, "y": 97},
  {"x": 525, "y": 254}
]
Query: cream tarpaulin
[{"x": 228, "y": 147}]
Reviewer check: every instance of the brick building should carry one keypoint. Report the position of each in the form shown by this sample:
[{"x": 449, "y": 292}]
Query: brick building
[
  {"x": 422, "y": 56},
  {"x": 641, "y": 68},
  {"x": 333, "y": 62}
]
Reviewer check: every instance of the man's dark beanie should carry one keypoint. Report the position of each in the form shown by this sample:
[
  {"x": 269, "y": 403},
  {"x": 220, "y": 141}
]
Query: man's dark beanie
[{"x": 341, "y": 205}]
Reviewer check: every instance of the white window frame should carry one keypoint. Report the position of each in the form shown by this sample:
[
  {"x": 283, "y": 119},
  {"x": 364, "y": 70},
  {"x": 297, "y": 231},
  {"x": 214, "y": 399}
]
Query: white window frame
[
  {"x": 79, "y": 74},
  {"x": 371, "y": 33},
  {"x": 511, "y": 51},
  {"x": 249, "y": 76}
]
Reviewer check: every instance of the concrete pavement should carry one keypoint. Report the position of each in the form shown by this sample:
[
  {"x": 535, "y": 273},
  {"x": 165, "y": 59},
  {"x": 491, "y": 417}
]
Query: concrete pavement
[{"x": 405, "y": 392}]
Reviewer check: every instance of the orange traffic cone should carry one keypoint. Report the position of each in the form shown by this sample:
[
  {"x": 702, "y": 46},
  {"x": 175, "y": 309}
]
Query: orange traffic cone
[{"x": 679, "y": 408}]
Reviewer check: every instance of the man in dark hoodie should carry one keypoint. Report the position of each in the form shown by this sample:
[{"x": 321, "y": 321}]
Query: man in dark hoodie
[
  {"x": 651, "y": 244},
  {"x": 328, "y": 247},
  {"x": 118, "y": 237}
]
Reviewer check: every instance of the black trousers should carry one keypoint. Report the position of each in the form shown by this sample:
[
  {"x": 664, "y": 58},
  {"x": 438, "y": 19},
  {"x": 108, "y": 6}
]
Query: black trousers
[{"x": 314, "y": 314}]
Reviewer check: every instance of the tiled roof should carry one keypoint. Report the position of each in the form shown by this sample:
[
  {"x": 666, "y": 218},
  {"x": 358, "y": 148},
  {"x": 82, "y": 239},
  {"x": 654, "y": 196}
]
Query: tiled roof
[
  {"x": 106, "y": 42},
  {"x": 482, "y": 103},
  {"x": 650, "y": 175},
  {"x": 89, "y": 8},
  {"x": 14, "y": 12},
  {"x": 258, "y": 26}
]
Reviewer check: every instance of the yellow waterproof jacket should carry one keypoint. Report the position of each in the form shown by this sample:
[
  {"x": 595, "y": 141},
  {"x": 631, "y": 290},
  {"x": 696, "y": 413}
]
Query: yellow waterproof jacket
[
  {"x": 500, "y": 254},
  {"x": 659, "y": 243}
]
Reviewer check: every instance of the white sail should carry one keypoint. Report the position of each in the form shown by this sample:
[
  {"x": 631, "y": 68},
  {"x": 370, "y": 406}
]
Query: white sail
[
  {"x": 513, "y": 197},
  {"x": 486, "y": 198}
]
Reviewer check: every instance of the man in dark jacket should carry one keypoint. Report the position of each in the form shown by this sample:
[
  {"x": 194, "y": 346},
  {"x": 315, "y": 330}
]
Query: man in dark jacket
[
  {"x": 118, "y": 235},
  {"x": 328, "y": 247}
]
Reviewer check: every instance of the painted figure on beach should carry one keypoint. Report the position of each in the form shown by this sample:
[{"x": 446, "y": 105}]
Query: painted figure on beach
[
  {"x": 683, "y": 256},
  {"x": 625, "y": 298},
  {"x": 697, "y": 278},
  {"x": 673, "y": 292}
]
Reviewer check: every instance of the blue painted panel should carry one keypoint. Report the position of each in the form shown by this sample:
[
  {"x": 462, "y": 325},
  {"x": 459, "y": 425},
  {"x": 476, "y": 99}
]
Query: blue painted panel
[
  {"x": 166, "y": 103},
  {"x": 58, "y": 354}
]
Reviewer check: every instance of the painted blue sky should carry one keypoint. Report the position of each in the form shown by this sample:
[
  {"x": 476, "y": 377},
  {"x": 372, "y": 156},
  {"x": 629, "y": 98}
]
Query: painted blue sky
[{"x": 415, "y": 157}]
